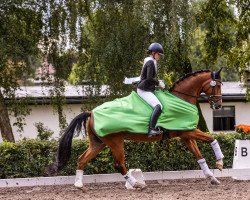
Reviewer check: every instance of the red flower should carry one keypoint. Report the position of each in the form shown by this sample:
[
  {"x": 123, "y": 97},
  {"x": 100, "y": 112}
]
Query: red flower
[{"x": 244, "y": 130}]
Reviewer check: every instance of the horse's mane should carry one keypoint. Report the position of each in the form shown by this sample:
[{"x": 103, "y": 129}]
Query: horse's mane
[{"x": 186, "y": 76}]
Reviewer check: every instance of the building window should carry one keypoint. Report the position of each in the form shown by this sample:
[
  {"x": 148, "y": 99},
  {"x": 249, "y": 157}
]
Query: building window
[{"x": 224, "y": 119}]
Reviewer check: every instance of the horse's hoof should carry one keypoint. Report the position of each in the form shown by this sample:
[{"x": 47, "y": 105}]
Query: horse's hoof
[
  {"x": 219, "y": 165},
  {"x": 78, "y": 184},
  {"x": 214, "y": 181},
  {"x": 81, "y": 187}
]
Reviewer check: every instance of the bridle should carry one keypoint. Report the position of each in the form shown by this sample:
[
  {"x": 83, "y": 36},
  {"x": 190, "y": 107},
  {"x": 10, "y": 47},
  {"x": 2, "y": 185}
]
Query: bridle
[{"x": 212, "y": 98}]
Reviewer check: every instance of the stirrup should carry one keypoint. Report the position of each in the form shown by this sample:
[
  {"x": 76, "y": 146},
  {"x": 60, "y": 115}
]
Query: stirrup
[{"x": 154, "y": 132}]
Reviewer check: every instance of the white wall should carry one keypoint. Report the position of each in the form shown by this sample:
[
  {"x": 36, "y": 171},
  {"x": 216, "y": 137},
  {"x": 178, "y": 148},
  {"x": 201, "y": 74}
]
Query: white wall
[
  {"x": 242, "y": 113},
  {"x": 45, "y": 114}
]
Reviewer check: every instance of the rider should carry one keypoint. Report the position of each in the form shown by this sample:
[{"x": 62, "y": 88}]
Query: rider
[{"x": 146, "y": 86}]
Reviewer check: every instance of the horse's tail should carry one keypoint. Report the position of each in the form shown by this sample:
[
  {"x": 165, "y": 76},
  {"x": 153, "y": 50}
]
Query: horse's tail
[{"x": 65, "y": 143}]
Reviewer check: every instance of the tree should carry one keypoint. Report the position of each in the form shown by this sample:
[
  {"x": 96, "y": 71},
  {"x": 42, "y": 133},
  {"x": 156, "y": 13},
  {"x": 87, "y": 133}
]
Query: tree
[
  {"x": 60, "y": 45},
  {"x": 239, "y": 55},
  {"x": 117, "y": 35},
  {"x": 222, "y": 36},
  {"x": 104, "y": 41},
  {"x": 20, "y": 31},
  {"x": 31, "y": 29},
  {"x": 114, "y": 39},
  {"x": 225, "y": 27}
]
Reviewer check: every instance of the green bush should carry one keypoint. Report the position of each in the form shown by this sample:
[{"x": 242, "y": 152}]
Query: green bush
[
  {"x": 44, "y": 133},
  {"x": 30, "y": 158}
]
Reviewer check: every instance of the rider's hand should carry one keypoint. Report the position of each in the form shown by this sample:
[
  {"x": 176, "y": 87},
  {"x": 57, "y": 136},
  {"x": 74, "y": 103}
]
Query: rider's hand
[{"x": 161, "y": 84}]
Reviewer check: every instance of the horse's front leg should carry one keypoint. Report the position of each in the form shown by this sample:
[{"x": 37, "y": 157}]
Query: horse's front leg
[
  {"x": 199, "y": 135},
  {"x": 193, "y": 147},
  {"x": 218, "y": 154}
]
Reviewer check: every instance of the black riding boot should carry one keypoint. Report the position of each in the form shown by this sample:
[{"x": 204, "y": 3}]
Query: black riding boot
[{"x": 153, "y": 120}]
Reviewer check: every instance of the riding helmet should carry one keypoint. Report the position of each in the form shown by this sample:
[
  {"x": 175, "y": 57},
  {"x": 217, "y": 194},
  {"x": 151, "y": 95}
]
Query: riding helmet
[{"x": 155, "y": 47}]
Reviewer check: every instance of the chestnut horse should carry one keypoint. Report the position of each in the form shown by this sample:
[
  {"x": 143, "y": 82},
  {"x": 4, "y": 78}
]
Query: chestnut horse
[{"x": 187, "y": 88}]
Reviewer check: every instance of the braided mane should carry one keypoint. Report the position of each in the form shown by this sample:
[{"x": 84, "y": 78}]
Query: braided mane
[{"x": 187, "y": 76}]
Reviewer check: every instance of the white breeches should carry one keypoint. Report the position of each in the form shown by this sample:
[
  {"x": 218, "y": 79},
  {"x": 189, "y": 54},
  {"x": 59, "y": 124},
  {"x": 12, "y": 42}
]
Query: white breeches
[{"x": 149, "y": 97}]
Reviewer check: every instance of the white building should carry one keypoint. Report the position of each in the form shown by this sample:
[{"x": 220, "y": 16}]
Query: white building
[{"x": 235, "y": 110}]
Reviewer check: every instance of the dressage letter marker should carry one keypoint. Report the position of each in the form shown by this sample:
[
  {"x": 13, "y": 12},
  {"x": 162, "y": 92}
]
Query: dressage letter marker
[
  {"x": 243, "y": 151},
  {"x": 241, "y": 156}
]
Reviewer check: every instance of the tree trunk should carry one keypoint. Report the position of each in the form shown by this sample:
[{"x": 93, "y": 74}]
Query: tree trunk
[{"x": 5, "y": 126}]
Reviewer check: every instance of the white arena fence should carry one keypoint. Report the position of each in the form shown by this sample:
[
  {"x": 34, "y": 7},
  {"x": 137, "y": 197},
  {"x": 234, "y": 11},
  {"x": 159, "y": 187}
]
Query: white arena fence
[{"x": 239, "y": 174}]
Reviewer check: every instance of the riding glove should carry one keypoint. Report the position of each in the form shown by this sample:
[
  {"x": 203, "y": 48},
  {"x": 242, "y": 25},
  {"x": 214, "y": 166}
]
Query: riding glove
[{"x": 161, "y": 84}]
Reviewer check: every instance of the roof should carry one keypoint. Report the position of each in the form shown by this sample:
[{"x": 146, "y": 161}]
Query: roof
[
  {"x": 70, "y": 91},
  {"x": 230, "y": 88},
  {"x": 73, "y": 94},
  {"x": 231, "y": 91}
]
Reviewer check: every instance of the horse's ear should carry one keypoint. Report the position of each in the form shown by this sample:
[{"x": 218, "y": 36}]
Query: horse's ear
[
  {"x": 216, "y": 75},
  {"x": 220, "y": 70}
]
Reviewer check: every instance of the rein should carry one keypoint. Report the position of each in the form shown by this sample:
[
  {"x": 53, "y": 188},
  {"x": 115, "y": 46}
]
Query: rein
[
  {"x": 185, "y": 94},
  {"x": 210, "y": 97}
]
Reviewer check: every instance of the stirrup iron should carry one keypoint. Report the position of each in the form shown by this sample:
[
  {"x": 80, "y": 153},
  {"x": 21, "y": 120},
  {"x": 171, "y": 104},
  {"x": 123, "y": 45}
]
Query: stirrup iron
[{"x": 154, "y": 132}]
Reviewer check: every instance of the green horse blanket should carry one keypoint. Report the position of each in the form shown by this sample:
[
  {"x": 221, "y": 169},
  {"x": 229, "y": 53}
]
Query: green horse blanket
[{"x": 132, "y": 114}]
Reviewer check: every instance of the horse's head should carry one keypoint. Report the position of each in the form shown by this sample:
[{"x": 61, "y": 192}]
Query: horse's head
[{"x": 212, "y": 88}]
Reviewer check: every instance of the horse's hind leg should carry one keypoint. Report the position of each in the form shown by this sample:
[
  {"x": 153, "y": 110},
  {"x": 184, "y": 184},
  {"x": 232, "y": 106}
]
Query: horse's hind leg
[
  {"x": 92, "y": 151},
  {"x": 199, "y": 135},
  {"x": 83, "y": 160},
  {"x": 193, "y": 147},
  {"x": 116, "y": 144},
  {"x": 95, "y": 146}
]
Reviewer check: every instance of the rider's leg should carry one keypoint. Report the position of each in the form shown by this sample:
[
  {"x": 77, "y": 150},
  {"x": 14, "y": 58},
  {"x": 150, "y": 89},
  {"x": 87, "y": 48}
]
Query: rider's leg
[
  {"x": 153, "y": 120},
  {"x": 153, "y": 101}
]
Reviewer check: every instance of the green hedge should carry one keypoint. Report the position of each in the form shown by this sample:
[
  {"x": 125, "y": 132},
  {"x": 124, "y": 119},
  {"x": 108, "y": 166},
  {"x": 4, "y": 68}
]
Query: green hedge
[{"x": 30, "y": 158}]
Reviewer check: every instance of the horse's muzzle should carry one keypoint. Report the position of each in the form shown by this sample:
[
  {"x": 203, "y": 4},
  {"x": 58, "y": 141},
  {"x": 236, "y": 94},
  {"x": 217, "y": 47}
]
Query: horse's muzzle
[
  {"x": 215, "y": 102},
  {"x": 215, "y": 107}
]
